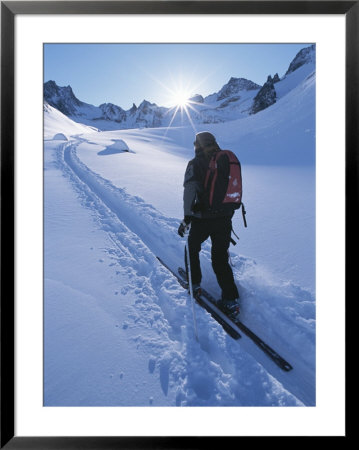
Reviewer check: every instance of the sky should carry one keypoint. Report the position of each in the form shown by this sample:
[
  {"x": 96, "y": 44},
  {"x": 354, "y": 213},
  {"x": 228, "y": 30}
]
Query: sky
[{"x": 124, "y": 74}]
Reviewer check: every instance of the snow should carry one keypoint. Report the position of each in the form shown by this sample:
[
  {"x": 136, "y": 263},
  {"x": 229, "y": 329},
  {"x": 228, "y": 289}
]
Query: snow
[
  {"x": 118, "y": 146},
  {"x": 118, "y": 327},
  {"x": 60, "y": 137},
  {"x": 56, "y": 122}
]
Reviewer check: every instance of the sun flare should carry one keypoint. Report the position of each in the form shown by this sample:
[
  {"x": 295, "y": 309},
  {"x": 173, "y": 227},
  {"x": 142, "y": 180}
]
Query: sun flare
[
  {"x": 181, "y": 98},
  {"x": 181, "y": 101}
]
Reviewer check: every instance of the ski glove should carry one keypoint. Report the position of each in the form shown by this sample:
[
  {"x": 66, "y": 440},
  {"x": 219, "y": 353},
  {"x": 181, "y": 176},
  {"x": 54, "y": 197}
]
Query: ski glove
[{"x": 184, "y": 226}]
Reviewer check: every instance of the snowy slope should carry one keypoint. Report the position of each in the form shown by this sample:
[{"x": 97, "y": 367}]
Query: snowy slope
[
  {"x": 118, "y": 327},
  {"x": 119, "y": 290},
  {"x": 56, "y": 122}
]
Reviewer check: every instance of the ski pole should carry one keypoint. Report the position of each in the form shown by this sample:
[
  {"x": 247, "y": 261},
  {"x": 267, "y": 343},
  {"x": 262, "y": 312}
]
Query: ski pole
[{"x": 191, "y": 288}]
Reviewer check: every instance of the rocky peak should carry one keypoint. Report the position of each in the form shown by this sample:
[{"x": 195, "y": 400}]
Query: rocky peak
[
  {"x": 147, "y": 106},
  {"x": 61, "y": 98},
  {"x": 133, "y": 109},
  {"x": 266, "y": 97},
  {"x": 305, "y": 56},
  {"x": 235, "y": 85},
  {"x": 197, "y": 98},
  {"x": 276, "y": 78},
  {"x": 112, "y": 112}
]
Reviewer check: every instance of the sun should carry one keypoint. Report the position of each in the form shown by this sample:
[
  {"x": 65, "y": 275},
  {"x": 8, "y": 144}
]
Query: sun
[{"x": 180, "y": 98}]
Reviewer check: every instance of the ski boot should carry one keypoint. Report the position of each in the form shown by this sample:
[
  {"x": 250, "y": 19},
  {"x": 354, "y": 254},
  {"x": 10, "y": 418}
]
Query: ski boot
[{"x": 229, "y": 307}]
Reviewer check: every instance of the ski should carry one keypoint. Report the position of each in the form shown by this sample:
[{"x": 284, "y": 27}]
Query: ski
[
  {"x": 275, "y": 357},
  {"x": 216, "y": 313}
]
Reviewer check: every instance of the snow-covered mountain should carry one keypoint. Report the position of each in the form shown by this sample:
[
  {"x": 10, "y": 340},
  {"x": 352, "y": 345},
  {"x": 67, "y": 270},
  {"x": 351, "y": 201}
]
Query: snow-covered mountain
[
  {"x": 305, "y": 56},
  {"x": 62, "y": 98},
  {"x": 234, "y": 86},
  {"x": 238, "y": 98},
  {"x": 232, "y": 99}
]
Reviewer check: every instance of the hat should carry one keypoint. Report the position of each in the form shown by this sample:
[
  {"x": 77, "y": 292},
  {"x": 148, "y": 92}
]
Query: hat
[{"x": 204, "y": 139}]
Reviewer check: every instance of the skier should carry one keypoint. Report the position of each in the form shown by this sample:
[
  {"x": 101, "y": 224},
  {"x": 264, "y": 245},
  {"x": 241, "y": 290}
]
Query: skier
[{"x": 204, "y": 222}]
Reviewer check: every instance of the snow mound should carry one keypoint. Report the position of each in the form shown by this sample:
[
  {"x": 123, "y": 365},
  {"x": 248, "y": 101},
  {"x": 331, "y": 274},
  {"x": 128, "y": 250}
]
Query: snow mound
[
  {"x": 119, "y": 146},
  {"x": 60, "y": 137}
]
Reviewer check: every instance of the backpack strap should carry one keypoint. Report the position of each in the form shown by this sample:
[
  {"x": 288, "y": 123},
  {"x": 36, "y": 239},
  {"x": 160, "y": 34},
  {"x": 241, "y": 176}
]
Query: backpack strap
[
  {"x": 211, "y": 171},
  {"x": 208, "y": 174},
  {"x": 231, "y": 156}
]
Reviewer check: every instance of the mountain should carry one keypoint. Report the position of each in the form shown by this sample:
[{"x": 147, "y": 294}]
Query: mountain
[
  {"x": 62, "y": 98},
  {"x": 233, "y": 99},
  {"x": 238, "y": 98},
  {"x": 146, "y": 115},
  {"x": 305, "y": 56},
  {"x": 266, "y": 96},
  {"x": 234, "y": 86},
  {"x": 113, "y": 112}
]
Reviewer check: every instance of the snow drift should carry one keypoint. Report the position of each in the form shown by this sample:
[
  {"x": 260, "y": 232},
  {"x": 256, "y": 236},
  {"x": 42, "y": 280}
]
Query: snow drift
[{"x": 60, "y": 137}]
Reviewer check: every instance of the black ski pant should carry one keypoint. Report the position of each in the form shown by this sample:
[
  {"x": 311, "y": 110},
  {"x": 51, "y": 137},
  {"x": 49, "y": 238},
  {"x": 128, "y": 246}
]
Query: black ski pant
[{"x": 219, "y": 230}]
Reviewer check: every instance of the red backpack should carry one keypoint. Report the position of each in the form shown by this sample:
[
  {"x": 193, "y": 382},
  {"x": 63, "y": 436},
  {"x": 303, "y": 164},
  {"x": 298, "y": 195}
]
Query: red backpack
[{"x": 223, "y": 187}]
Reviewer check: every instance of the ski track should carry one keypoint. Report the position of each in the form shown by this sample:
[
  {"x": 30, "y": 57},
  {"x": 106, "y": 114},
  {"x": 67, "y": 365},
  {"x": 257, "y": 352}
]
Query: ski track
[{"x": 138, "y": 232}]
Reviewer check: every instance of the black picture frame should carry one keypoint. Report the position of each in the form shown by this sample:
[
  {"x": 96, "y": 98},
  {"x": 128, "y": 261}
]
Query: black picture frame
[{"x": 9, "y": 9}]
